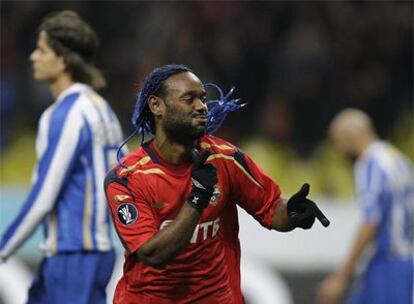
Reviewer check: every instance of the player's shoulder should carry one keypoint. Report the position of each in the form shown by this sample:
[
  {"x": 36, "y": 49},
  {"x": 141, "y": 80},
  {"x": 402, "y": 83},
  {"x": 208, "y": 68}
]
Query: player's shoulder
[
  {"x": 66, "y": 104},
  {"x": 217, "y": 145},
  {"x": 63, "y": 113},
  {"x": 135, "y": 160},
  {"x": 225, "y": 152},
  {"x": 378, "y": 157},
  {"x": 85, "y": 98},
  {"x": 133, "y": 163},
  {"x": 71, "y": 100}
]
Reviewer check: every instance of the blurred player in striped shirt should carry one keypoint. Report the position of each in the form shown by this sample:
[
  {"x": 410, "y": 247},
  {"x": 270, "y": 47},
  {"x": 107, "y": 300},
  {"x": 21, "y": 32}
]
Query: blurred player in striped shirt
[
  {"x": 384, "y": 184},
  {"x": 76, "y": 143}
]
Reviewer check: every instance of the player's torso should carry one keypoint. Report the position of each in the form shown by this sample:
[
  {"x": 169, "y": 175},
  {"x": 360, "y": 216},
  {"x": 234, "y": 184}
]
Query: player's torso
[
  {"x": 202, "y": 268},
  {"x": 79, "y": 219},
  {"x": 394, "y": 175},
  {"x": 175, "y": 191}
]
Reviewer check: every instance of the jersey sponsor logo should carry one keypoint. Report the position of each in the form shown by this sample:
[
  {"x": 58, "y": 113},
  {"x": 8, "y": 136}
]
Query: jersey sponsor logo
[
  {"x": 127, "y": 213},
  {"x": 202, "y": 231}
]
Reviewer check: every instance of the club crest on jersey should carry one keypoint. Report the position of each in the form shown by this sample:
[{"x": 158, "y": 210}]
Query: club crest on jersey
[
  {"x": 127, "y": 213},
  {"x": 216, "y": 194}
]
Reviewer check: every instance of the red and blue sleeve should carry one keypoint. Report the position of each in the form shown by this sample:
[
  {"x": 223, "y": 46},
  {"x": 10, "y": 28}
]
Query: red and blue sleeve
[
  {"x": 132, "y": 216},
  {"x": 254, "y": 190}
]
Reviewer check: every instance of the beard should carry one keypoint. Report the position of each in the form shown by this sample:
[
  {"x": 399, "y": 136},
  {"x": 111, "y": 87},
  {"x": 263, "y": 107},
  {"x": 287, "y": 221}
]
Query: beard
[{"x": 179, "y": 127}]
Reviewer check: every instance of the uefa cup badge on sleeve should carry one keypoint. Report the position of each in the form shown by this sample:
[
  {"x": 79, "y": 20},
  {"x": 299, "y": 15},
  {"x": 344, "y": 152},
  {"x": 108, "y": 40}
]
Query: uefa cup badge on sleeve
[{"x": 127, "y": 213}]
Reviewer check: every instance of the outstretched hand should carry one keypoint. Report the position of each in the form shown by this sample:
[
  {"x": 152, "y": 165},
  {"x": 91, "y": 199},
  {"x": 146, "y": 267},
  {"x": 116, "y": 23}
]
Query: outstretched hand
[{"x": 302, "y": 211}]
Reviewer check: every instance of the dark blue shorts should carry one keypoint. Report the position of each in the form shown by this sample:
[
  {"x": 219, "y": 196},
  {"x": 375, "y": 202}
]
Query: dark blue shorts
[
  {"x": 73, "y": 277},
  {"x": 385, "y": 282}
]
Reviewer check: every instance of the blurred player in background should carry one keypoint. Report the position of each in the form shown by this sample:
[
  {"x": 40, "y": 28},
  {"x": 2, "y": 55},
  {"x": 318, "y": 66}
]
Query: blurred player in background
[
  {"x": 384, "y": 184},
  {"x": 76, "y": 143},
  {"x": 173, "y": 200}
]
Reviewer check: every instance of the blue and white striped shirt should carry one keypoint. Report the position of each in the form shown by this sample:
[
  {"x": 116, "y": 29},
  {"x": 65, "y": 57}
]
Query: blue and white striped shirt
[
  {"x": 385, "y": 188},
  {"x": 76, "y": 143}
]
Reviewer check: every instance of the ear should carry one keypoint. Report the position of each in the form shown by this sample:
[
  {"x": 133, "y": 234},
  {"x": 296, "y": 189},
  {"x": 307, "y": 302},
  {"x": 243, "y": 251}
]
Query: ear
[
  {"x": 62, "y": 65},
  {"x": 156, "y": 105}
]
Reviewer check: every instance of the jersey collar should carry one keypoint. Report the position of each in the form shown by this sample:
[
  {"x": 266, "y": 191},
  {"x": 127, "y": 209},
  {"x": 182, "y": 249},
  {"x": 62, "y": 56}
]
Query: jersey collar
[
  {"x": 157, "y": 159},
  {"x": 74, "y": 88}
]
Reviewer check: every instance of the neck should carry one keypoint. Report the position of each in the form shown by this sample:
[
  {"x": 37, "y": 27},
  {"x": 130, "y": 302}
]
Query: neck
[
  {"x": 172, "y": 152},
  {"x": 60, "y": 84},
  {"x": 364, "y": 142}
]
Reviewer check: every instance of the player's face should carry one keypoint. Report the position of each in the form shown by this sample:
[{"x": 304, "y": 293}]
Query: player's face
[
  {"x": 185, "y": 116},
  {"x": 46, "y": 64},
  {"x": 343, "y": 143}
]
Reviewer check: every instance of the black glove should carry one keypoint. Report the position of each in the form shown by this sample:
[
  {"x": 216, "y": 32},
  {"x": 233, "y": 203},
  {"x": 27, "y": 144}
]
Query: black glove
[
  {"x": 302, "y": 211},
  {"x": 203, "y": 177}
]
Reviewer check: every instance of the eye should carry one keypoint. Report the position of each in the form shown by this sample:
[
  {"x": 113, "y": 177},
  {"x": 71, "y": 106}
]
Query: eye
[{"x": 187, "y": 98}]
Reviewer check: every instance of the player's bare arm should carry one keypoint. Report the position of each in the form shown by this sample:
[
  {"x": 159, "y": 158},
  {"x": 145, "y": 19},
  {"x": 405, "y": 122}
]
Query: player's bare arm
[
  {"x": 366, "y": 234},
  {"x": 333, "y": 288},
  {"x": 174, "y": 238}
]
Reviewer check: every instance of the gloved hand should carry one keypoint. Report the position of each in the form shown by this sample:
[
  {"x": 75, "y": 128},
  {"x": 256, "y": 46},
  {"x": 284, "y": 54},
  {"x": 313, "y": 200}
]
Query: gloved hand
[
  {"x": 302, "y": 211},
  {"x": 203, "y": 178}
]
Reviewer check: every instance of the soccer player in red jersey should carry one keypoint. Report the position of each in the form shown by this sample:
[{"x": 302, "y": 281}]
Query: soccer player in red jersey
[{"x": 173, "y": 200}]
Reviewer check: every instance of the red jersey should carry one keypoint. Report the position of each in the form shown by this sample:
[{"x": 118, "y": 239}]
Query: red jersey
[{"x": 147, "y": 195}]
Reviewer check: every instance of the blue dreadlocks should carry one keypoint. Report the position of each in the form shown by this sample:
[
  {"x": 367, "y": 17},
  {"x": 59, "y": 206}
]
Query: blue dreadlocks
[
  {"x": 143, "y": 120},
  {"x": 218, "y": 109}
]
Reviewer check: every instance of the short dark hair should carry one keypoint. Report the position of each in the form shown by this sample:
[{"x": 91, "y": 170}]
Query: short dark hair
[{"x": 73, "y": 39}]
